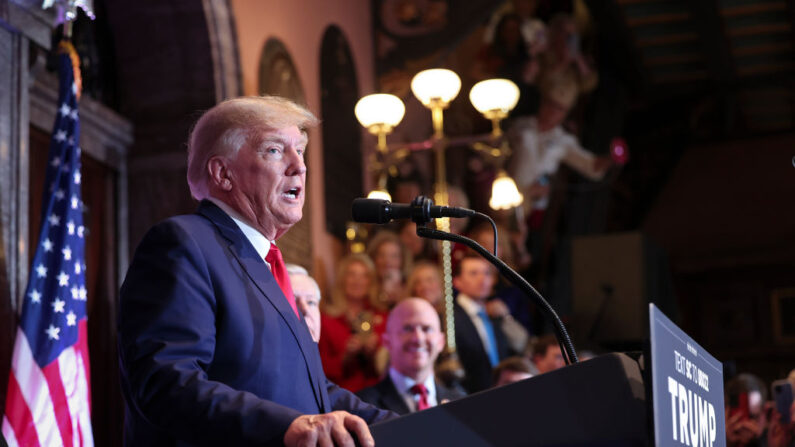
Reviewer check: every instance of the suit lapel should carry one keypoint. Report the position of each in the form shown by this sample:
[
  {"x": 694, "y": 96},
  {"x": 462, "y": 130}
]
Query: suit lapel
[
  {"x": 261, "y": 276},
  {"x": 391, "y": 398}
]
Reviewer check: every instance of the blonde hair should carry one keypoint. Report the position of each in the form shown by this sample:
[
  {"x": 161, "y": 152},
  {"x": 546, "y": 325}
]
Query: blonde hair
[
  {"x": 229, "y": 125},
  {"x": 337, "y": 303}
]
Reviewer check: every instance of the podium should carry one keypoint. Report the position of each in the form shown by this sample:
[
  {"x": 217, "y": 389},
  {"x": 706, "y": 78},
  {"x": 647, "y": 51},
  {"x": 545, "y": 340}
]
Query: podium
[{"x": 599, "y": 402}]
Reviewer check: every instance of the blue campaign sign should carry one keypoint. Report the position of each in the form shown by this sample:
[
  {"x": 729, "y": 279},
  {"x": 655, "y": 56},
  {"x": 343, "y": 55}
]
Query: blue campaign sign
[{"x": 687, "y": 387}]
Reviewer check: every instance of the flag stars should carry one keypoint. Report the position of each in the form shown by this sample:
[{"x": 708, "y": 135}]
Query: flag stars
[
  {"x": 75, "y": 201},
  {"x": 54, "y": 219},
  {"x": 52, "y": 332},
  {"x": 63, "y": 279},
  {"x": 47, "y": 245},
  {"x": 56, "y": 161},
  {"x": 65, "y": 109},
  {"x": 83, "y": 293},
  {"x": 35, "y": 296},
  {"x": 60, "y": 136},
  {"x": 78, "y": 268},
  {"x": 75, "y": 292},
  {"x": 60, "y": 194},
  {"x": 67, "y": 254},
  {"x": 41, "y": 271},
  {"x": 71, "y": 319},
  {"x": 58, "y": 305},
  {"x": 65, "y": 168},
  {"x": 80, "y": 230},
  {"x": 77, "y": 178},
  {"x": 71, "y": 227},
  {"x": 73, "y": 114}
]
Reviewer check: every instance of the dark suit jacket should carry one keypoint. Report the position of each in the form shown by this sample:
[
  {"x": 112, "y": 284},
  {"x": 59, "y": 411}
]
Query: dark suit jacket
[
  {"x": 385, "y": 395},
  {"x": 210, "y": 351},
  {"x": 471, "y": 352}
]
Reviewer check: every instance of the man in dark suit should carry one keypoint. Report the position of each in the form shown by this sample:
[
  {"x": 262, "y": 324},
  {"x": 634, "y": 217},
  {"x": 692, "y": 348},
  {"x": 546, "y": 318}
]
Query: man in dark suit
[
  {"x": 213, "y": 350},
  {"x": 414, "y": 341},
  {"x": 480, "y": 340}
]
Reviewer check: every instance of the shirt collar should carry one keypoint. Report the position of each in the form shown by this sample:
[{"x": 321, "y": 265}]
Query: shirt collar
[
  {"x": 470, "y": 306},
  {"x": 260, "y": 242},
  {"x": 404, "y": 383}
]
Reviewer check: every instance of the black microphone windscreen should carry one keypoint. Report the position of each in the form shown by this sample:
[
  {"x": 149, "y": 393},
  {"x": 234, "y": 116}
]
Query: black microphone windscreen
[{"x": 369, "y": 211}]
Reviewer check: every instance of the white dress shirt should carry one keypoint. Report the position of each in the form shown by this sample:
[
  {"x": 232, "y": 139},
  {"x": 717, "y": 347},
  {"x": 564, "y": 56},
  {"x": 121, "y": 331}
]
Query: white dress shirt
[
  {"x": 260, "y": 242},
  {"x": 472, "y": 308},
  {"x": 403, "y": 384}
]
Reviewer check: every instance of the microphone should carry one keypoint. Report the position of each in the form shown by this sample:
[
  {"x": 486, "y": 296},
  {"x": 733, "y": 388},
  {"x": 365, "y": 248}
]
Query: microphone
[{"x": 421, "y": 210}]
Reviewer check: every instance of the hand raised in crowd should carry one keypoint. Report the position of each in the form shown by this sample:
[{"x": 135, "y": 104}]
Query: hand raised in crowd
[
  {"x": 741, "y": 430},
  {"x": 780, "y": 434},
  {"x": 497, "y": 308},
  {"x": 330, "y": 429}
]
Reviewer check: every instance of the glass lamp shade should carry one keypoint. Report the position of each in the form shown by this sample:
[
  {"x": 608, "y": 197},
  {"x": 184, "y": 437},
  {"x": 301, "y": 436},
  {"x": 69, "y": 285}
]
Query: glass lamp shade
[
  {"x": 380, "y": 110},
  {"x": 504, "y": 194},
  {"x": 436, "y": 84},
  {"x": 494, "y": 95},
  {"x": 379, "y": 194}
]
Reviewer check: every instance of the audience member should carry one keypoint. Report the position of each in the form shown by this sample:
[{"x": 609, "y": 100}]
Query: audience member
[
  {"x": 562, "y": 63},
  {"x": 425, "y": 281},
  {"x": 307, "y": 297},
  {"x": 352, "y": 324},
  {"x": 414, "y": 340},
  {"x": 391, "y": 266},
  {"x": 781, "y": 433},
  {"x": 540, "y": 144},
  {"x": 480, "y": 340},
  {"x": 546, "y": 354},
  {"x": 746, "y": 420},
  {"x": 418, "y": 248},
  {"x": 509, "y": 56},
  {"x": 512, "y": 369}
]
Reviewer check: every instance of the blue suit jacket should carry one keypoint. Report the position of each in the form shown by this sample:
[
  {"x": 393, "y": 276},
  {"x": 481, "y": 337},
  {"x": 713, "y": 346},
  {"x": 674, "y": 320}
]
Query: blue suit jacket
[{"x": 210, "y": 351}]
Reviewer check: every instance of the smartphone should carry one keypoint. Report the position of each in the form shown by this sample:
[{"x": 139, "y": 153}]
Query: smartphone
[
  {"x": 739, "y": 404},
  {"x": 782, "y": 396}
]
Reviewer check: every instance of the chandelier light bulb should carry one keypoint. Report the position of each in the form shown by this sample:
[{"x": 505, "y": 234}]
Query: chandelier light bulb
[
  {"x": 436, "y": 85},
  {"x": 379, "y": 194},
  {"x": 494, "y": 96},
  {"x": 504, "y": 193},
  {"x": 380, "y": 111}
]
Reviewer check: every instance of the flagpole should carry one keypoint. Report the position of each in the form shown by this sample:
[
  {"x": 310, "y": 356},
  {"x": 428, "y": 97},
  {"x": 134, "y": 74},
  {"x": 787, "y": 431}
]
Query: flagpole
[{"x": 48, "y": 399}]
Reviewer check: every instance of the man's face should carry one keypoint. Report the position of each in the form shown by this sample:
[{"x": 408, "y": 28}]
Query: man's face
[
  {"x": 428, "y": 285},
  {"x": 413, "y": 338},
  {"x": 552, "y": 360},
  {"x": 307, "y": 299},
  {"x": 268, "y": 177},
  {"x": 389, "y": 256},
  {"x": 551, "y": 114},
  {"x": 475, "y": 279}
]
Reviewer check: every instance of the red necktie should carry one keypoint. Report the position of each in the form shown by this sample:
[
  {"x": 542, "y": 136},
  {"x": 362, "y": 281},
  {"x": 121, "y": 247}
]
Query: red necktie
[
  {"x": 274, "y": 258},
  {"x": 419, "y": 389}
]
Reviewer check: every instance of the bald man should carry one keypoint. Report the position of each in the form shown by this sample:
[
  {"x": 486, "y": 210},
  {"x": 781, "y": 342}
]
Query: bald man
[{"x": 414, "y": 340}]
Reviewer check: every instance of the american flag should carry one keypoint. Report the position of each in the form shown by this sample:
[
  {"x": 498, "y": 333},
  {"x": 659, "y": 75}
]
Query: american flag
[{"x": 49, "y": 400}]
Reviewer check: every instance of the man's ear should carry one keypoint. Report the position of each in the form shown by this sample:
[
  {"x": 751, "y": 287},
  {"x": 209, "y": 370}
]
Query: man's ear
[
  {"x": 441, "y": 340},
  {"x": 219, "y": 173}
]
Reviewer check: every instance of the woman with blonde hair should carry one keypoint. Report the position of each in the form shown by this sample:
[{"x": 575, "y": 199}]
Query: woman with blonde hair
[{"x": 351, "y": 325}]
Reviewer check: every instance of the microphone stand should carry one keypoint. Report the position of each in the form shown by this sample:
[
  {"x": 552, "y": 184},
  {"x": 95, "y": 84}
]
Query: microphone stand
[{"x": 567, "y": 347}]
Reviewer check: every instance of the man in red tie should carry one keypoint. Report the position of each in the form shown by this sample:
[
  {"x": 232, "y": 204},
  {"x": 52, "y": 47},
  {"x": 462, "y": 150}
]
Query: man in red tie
[
  {"x": 213, "y": 349},
  {"x": 414, "y": 340}
]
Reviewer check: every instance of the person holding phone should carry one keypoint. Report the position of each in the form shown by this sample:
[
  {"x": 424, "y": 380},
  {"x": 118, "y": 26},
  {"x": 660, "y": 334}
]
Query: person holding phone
[
  {"x": 781, "y": 430},
  {"x": 746, "y": 415}
]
